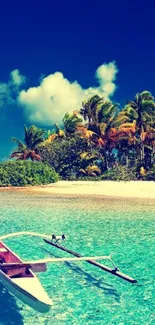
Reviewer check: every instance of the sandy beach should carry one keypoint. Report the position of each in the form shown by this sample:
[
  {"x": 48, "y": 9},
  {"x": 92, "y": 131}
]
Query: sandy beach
[{"x": 131, "y": 189}]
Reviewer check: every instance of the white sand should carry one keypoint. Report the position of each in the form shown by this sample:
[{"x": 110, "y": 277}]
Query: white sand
[{"x": 135, "y": 189}]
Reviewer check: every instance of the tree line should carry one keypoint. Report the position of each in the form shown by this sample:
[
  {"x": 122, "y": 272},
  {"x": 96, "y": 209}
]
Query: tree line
[{"x": 100, "y": 140}]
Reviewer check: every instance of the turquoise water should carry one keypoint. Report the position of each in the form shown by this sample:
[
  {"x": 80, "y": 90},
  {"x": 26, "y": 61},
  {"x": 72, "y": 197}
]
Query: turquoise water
[{"x": 81, "y": 293}]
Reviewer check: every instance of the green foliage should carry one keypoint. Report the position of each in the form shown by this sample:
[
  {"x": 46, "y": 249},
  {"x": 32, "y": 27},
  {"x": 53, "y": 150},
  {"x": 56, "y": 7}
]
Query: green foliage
[
  {"x": 120, "y": 173},
  {"x": 71, "y": 121},
  {"x": 23, "y": 173},
  {"x": 90, "y": 109},
  {"x": 65, "y": 156},
  {"x": 113, "y": 143},
  {"x": 150, "y": 175},
  {"x": 33, "y": 136},
  {"x": 91, "y": 170},
  {"x": 142, "y": 110}
]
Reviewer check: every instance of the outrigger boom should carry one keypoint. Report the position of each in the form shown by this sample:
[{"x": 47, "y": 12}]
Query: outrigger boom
[{"x": 90, "y": 260}]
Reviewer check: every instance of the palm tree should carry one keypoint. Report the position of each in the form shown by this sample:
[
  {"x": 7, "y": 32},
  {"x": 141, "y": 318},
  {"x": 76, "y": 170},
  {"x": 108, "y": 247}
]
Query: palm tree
[
  {"x": 142, "y": 111},
  {"x": 103, "y": 119},
  {"x": 106, "y": 133},
  {"x": 58, "y": 131},
  {"x": 90, "y": 109},
  {"x": 148, "y": 140},
  {"x": 102, "y": 115},
  {"x": 51, "y": 135},
  {"x": 83, "y": 132},
  {"x": 33, "y": 136},
  {"x": 71, "y": 122}
]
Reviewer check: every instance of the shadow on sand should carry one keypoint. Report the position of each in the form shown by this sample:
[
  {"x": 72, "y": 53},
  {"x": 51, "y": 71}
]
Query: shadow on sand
[{"x": 9, "y": 310}]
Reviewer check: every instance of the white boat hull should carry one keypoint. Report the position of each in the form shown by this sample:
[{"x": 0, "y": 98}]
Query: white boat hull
[
  {"x": 24, "y": 285},
  {"x": 29, "y": 291}
]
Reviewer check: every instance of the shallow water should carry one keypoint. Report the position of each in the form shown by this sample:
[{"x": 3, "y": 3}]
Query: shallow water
[{"x": 81, "y": 293}]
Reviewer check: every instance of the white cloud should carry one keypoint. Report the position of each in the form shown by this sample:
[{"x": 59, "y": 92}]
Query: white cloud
[
  {"x": 5, "y": 95},
  {"x": 56, "y": 95},
  {"x": 9, "y": 91},
  {"x": 106, "y": 75},
  {"x": 107, "y": 72},
  {"x": 17, "y": 78}
]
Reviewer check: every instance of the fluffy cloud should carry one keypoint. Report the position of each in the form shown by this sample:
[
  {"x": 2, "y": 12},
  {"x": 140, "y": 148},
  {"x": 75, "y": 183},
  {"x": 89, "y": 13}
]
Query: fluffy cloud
[
  {"x": 16, "y": 78},
  {"x": 9, "y": 91},
  {"x": 5, "y": 95},
  {"x": 106, "y": 75},
  {"x": 56, "y": 95}
]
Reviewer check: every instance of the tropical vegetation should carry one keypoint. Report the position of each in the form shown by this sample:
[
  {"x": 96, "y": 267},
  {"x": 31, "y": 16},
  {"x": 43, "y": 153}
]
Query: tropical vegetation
[
  {"x": 26, "y": 172},
  {"x": 100, "y": 141},
  {"x": 27, "y": 149}
]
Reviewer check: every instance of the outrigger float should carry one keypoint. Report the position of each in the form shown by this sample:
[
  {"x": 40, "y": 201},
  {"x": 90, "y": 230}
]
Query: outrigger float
[
  {"x": 91, "y": 260},
  {"x": 19, "y": 278}
]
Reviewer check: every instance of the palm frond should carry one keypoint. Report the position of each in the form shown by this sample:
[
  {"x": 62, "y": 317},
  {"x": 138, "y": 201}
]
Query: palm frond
[
  {"x": 20, "y": 144},
  {"x": 118, "y": 120},
  {"x": 146, "y": 95},
  {"x": 148, "y": 106}
]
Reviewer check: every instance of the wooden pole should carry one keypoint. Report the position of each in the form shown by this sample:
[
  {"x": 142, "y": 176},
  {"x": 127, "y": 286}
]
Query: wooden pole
[
  {"x": 101, "y": 266},
  {"x": 34, "y": 266},
  {"x": 67, "y": 259}
]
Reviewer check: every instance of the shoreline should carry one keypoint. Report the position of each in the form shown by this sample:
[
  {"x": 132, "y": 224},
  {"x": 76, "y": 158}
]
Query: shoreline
[{"x": 121, "y": 189}]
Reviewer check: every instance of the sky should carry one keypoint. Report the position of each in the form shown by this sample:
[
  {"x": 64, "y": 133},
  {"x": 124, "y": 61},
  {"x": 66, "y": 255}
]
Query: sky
[{"x": 55, "y": 54}]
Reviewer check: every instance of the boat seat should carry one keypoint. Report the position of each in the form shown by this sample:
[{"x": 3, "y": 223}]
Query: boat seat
[
  {"x": 3, "y": 250},
  {"x": 16, "y": 272}
]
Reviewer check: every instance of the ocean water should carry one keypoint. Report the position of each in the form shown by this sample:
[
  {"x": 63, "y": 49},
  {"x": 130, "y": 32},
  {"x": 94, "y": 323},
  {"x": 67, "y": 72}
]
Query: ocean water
[{"x": 81, "y": 293}]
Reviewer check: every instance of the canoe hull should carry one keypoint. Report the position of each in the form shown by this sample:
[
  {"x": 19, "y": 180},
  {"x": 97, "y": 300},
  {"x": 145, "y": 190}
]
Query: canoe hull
[
  {"x": 26, "y": 287},
  {"x": 24, "y": 295}
]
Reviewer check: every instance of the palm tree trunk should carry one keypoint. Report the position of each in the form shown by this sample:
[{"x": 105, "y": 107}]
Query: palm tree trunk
[
  {"x": 142, "y": 154},
  {"x": 127, "y": 160},
  {"x": 106, "y": 161}
]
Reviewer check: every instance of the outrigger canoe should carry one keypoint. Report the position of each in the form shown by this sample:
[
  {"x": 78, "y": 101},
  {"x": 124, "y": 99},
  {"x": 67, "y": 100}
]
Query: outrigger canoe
[{"x": 20, "y": 280}]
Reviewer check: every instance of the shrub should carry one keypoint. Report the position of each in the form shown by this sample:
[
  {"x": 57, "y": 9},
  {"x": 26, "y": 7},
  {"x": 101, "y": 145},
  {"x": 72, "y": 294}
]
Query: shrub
[
  {"x": 24, "y": 172},
  {"x": 120, "y": 173},
  {"x": 93, "y": 169},
  {"x": 150, "y": 175},
  {"x": 65, "y": 156}
]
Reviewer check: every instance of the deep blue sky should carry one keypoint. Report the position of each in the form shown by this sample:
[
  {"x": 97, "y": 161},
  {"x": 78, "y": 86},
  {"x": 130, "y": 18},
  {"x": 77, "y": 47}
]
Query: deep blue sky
[{"x": 75, "y": 37}]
